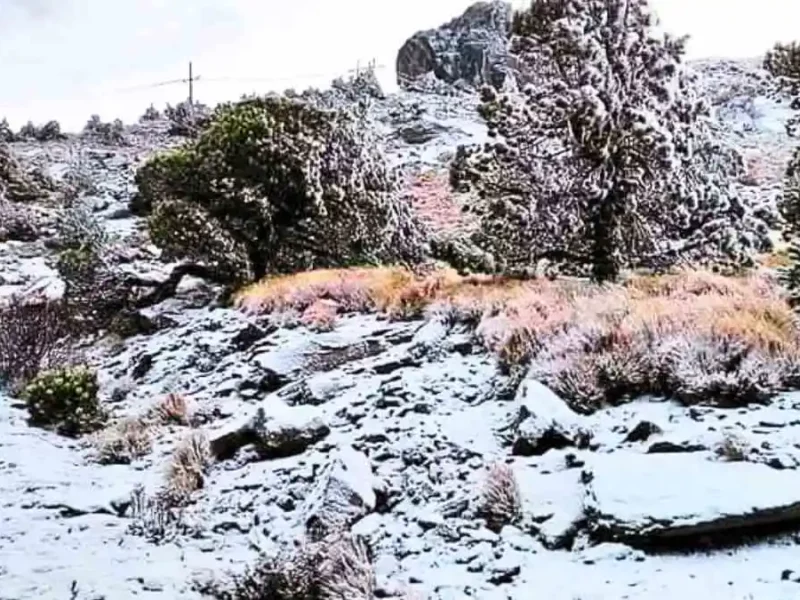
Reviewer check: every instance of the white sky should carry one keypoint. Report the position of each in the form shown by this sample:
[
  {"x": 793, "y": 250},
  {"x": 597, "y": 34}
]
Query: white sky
[{"x": 67, "y": 59}]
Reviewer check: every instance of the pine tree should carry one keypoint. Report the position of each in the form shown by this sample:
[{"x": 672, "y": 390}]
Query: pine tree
[
  {"x": 608, "y": 159},
  {"x": 789, "y": 206},
  {"x": 783, "y": 60}
]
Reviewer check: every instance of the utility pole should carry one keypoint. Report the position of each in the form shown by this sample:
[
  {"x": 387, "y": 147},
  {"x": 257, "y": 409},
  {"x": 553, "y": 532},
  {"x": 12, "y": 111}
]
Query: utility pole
[{"x": 191, "y": 86}]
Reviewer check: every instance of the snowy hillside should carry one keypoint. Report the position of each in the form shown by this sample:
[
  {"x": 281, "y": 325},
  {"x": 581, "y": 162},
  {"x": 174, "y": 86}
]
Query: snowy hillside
[{"x": 391, "y": 427}]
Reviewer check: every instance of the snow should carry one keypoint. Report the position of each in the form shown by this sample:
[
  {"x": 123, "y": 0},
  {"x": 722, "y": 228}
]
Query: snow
[
  {"x": 410, "y": 419},
  {"x": 644, "y": 492}
]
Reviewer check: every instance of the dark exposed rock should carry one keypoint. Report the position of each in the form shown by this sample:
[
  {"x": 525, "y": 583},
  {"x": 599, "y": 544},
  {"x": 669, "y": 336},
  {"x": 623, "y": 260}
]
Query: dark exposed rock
[
  {"x": 249, "y": 335},
  {"x": 667, "y": 447},
  {"x": 634, "y": 499},
  {"x": 420, "y": 132},
  {"x": 283, "y": 433},
  {"x": 642, "y": 432},
  {"x": 142, "y": 366},
  {"x": 472, "y": 49},
  {"x": 545, "y": 422},
  {"x": 130, "y": 323}
]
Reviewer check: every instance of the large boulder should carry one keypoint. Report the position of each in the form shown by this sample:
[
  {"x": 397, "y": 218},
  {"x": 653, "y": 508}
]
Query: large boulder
[
  {"x": 686, "y": 500},
  {"x": 471, "y": 49}
]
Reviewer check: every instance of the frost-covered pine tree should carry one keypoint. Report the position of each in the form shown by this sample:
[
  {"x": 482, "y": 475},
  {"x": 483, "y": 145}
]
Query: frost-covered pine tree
[
  {"x": 783, "y": 61},
  {"x": 608, "y": 159}
]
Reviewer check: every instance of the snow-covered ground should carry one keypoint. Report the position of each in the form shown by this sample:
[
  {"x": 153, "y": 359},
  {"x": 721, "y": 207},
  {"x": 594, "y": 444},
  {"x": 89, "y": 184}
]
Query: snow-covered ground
[
  {"x": 424, "y": 412},
  {"x": 631, "y": 502}
]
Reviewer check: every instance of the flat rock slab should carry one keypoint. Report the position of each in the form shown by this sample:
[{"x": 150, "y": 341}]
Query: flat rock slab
[{"x": 680, "y": 499}]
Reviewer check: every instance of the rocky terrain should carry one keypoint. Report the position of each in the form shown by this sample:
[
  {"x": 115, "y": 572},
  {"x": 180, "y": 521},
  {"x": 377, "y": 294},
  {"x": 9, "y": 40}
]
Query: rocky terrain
[{"x": 393, "y": 427}]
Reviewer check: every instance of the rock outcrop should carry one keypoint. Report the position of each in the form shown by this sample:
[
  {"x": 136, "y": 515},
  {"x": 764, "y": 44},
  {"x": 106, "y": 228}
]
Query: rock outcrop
[
  {"x": 471, "y": 49},
  {"x": 644, "y": 507}
]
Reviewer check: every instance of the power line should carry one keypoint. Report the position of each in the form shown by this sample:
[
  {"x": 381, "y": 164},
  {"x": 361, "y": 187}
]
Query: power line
[{"x": 193, "y": 78}]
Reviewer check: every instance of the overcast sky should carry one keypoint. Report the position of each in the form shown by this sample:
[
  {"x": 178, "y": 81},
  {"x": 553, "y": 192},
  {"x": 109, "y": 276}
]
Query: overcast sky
[{"x": 67, "y": 59}]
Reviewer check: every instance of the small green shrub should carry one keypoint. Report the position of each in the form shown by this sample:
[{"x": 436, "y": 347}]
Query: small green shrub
[{"x": 65, "y": 399}]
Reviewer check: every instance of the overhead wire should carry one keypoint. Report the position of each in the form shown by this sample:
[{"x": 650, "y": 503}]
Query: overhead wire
[{"x": 202, "y": 79}]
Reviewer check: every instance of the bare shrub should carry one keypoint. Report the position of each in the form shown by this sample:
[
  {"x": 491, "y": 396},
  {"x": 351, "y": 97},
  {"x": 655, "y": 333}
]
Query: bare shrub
[
  {"x": 18, "y": 222},
  {"x": 34, "y": 334},
  {"x": 123, "y": 442},
  {"x": 155, "y": 517},
  {"x": 320, "y": 316},
  {"x": 500, "y": 502},
  {"x": 173, "y": 408},
  {"x": 335, "y": 568},
  {"x": 732, "y": 448},
  {"x": 190, "y": 462},
  {"x": 94, "y": 288}
]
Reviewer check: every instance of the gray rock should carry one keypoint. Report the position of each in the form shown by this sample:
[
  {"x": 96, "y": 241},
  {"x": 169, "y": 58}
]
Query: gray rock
[
  {"x": 472, "y": 49},
  {"x": 636, "y": 499},
  {"x": 276, "y": 431},
  {"x": 343, "y": 493},
  {"x": 545, "y": 422}
]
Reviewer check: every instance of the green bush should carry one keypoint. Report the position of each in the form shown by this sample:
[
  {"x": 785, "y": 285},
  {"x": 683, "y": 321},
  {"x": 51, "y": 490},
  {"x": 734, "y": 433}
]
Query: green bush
[
  {"x": 65, "y": 400},
  {"x": 276, "y": 185}
]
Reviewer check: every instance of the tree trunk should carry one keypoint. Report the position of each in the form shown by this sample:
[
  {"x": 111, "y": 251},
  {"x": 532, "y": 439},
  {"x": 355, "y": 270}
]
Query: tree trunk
[
  {"x": 605, "y": 235},
  {"x": 161, "y": 290}
]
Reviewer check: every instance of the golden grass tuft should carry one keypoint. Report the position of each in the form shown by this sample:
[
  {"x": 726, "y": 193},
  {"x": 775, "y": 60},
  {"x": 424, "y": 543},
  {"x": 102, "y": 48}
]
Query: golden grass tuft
[
  {"x": 394, "y": 291},
  {"x": 680, "y": 329}
]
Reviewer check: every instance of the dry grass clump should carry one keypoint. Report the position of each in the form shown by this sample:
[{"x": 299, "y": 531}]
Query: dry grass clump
[
  {"x": 501, "y": 503},
  {"x": 321, "y": 315},
  {"x": 123, "y": 442},
  {"x": 157, "y": 517},
  {"x": 732, "y": 448},
  {"x": 191, "y": 460},
  {"x": 395, "y": 291},
  {"x": 695, "y": 336},
  {"x": 335, "y": 568},
  {"x": 777, "y": 259},
  {"x": 171, "y": 409}
]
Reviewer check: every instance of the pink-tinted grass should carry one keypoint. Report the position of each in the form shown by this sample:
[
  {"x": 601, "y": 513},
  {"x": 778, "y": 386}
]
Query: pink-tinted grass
[{"x": 695, "y": 336}]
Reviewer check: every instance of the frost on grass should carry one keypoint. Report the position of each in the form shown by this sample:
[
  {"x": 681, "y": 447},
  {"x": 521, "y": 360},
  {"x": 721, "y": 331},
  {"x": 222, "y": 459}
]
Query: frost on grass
[
  {"x": 190, "y": 461},
  {"x": 338, "y": 567},
  {"x": 156, "y": 517},
  {"x": 123, "y": 442},
  {"x": 172, "y": 409},
  {"x": 320, "y": 316},
  {"x": 698, "y": 338},
  {"x": 500, "y": 501},
  {"x": 695, "y": 336}
]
